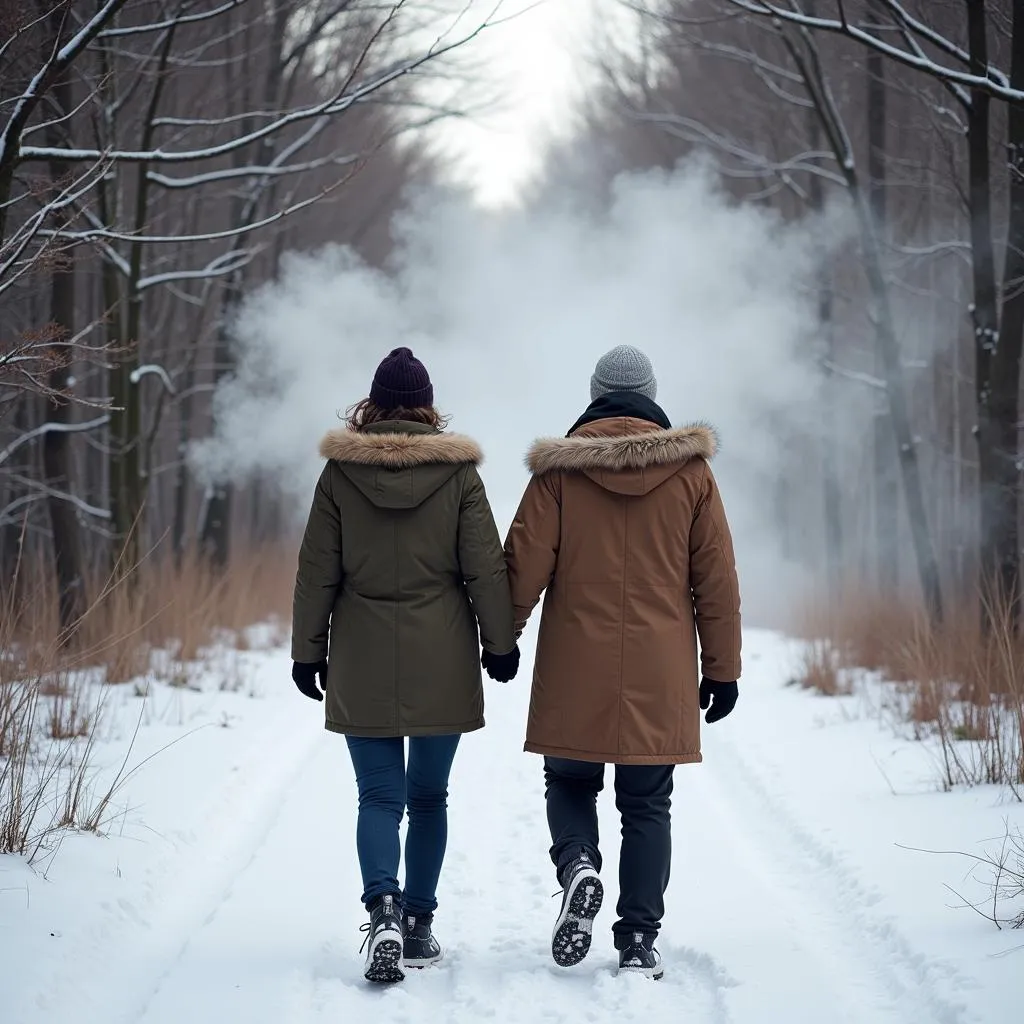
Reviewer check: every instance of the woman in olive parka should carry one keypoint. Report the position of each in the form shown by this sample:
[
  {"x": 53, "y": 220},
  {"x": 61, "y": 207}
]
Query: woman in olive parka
[{"x": 401, "y": 580}]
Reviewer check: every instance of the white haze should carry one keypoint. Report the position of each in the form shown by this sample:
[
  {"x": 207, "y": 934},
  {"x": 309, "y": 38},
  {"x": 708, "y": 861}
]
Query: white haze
[{"x": 510, "y": 313}]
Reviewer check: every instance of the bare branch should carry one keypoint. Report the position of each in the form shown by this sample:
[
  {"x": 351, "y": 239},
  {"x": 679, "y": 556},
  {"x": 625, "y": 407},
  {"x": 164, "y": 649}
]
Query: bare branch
[{"x": 47, "y": 428}]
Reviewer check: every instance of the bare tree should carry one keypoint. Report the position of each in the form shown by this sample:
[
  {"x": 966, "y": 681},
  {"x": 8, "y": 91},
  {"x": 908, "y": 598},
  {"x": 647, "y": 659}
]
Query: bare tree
[{"x": 156, "y": 158}]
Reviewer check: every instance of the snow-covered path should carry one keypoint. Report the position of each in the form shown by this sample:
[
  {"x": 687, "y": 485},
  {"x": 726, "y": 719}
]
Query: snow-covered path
[{"x": 771, "y": 917}]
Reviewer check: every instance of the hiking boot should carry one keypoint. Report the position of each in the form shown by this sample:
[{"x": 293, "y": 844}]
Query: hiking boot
[
  {"x": 582, "y": 896},
  {"x": 639, "y": 956},
  {"x": 383, "y": 942},
  {"x": 421, "y": 948}
]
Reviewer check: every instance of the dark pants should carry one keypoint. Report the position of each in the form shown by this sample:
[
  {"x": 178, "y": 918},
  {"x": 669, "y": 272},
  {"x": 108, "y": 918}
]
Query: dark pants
[
  {"x": 643, "y": 796},
  {"x": 386, "y": 789}
]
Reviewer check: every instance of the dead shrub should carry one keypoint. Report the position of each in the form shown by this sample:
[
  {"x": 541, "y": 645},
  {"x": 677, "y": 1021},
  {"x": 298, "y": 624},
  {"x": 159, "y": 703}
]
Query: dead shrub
[
  {"x": 822, "y": 670},
  {"x": 49, "y": 702},
  {"x": 1002, "y": 875},
  {"x": 961, "y": 684},
  {"x": 69, "y": 715}
]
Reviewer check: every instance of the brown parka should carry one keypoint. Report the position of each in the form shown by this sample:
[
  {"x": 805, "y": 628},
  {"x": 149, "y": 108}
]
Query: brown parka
[
  {"x": 623, "y": 525},
  {"x": 400, "y": 562}
]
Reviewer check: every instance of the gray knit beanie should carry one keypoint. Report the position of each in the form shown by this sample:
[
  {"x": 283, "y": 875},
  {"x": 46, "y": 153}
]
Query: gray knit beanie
[{"x": 624, "y": 369}]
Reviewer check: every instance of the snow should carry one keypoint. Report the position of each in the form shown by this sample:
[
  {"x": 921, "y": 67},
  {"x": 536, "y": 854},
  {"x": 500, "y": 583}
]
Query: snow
[{"x": 227, "y": 887}]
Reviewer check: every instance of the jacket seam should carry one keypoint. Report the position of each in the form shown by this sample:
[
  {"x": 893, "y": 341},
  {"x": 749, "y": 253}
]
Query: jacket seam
[
  {"x": 478, "y": 541},
  {"x": 622, "y": 617},
  {"x": 334, "y": 724},
  {"x": 733, "y": 582},
  {"x": 612, "y": 757}
]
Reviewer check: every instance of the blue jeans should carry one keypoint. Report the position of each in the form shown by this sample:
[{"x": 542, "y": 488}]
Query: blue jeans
[{"x": 386, "y": 789}]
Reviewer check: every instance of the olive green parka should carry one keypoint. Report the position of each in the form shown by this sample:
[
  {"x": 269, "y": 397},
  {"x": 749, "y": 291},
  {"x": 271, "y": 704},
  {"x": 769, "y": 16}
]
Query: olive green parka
[{"x": 401, "y": 578}]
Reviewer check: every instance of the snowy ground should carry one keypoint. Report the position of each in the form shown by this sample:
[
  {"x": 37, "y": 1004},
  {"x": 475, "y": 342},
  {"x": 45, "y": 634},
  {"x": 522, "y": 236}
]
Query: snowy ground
[{"x": 229, "y": 888}]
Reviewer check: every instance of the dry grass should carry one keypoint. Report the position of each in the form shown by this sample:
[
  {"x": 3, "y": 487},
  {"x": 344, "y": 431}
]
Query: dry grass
[
  {"x": 959, "y": 683},
  {"x": 822, "y": 670},
  {"x": 180, "y": 609},
  {"x": 50, "y": 702}
]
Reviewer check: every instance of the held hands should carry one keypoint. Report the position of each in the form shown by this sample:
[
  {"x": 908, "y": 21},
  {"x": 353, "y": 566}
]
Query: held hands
[
  {"x": 502, "y": 668},
  {"x": 721, "y": 697},
  {"x": 304, "y": 676}
]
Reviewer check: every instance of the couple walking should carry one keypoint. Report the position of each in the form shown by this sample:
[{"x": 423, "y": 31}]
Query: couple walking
[{"x": 402, "y": 579}]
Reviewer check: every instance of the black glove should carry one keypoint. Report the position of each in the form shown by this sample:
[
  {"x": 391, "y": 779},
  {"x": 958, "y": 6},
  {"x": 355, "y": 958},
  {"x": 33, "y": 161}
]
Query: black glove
[
  {"x": 305, "y": 675},
  {"x": 724, "y": 696},
  {"x": 502, "y": 668}
]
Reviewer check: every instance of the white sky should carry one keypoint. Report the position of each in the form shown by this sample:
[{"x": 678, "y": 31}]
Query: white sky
[{"x": 537, "y": 62}]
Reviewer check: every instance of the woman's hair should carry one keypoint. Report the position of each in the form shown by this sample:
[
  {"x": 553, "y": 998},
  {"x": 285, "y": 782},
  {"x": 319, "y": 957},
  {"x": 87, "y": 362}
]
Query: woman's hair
[{"x": 367, "y": 412}]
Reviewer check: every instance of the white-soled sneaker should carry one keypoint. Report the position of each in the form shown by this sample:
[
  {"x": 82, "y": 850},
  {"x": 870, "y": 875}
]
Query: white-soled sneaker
[
  {"x": 640, "y": 957},
  {"x": 384, "y": 943},
  {"x": 421, "y": 948},
  {"x": 581, "y": 900}
]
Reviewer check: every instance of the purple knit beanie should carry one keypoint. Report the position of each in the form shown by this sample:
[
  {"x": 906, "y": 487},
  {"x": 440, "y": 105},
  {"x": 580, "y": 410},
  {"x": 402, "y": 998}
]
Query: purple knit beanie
[{"x": 402, "y": 381}]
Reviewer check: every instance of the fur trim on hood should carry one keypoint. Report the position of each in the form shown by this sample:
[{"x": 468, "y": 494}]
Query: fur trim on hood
[
  {"x": 399, "y": 451},
  {"x": 580, "y": 453}
]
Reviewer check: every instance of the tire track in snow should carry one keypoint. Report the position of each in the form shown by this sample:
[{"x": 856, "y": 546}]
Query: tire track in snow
[{"x": 815, "y": 871}]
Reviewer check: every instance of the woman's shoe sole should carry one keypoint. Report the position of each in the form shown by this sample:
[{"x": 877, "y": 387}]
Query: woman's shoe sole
[
  {"x": 574, "y": 930},
  {"x": 385, "y": 966}
]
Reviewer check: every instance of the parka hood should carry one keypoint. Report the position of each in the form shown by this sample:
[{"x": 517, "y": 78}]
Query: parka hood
[
  {"x": 399, "y": 464},
  {"x": 623, "y": 454}
]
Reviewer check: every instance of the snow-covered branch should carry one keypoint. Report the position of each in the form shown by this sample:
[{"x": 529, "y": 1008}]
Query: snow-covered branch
[
  {"x": 11, "y": 133},
  {"x": 154, "y": 370},
  {"x": 855, "y": 375},
  {"x": 49, "y": 428},
  {"x": 339, "y": 103},
  {"x": 226, "y": 263},
  {"x": 231, "y": 173},
  {"x": 212, "y": 236},
  {"x": 694, "y": 131},
  {"x": 175, "y": 22},
  {"x": 12, "y": 265},
  {"x": 994, "y": 83},
  {"x": 45, "y": 490}
]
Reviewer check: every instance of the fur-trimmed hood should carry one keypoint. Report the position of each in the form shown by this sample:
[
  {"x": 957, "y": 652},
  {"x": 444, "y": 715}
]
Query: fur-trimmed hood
[
  {"x": 397, "y": 464},
  {"x": 399, "y": 450},
  {"x": 620, "y": 445}
]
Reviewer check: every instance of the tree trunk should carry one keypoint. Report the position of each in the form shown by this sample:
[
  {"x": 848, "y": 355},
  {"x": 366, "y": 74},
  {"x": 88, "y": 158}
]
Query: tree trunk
[
  {"x": 910, "y": 466},
  {"x": 215, "y": 534},
  {"x": 998, "y": 419},
  {"x": 216, "y": 529},
  {"x": 833, "y": 502},
  {"x": 127, "y": 467},
  {"x": 57, "y": 459},
  {"x": 185, "y": 410},
  {"x": 886, "y": 475},
  {"x": 808, "y": 62},
  {"x": 996, "y": 467}
]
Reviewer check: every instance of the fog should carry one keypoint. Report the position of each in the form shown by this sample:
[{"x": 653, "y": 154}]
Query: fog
[{"x": 510, "y": 313}]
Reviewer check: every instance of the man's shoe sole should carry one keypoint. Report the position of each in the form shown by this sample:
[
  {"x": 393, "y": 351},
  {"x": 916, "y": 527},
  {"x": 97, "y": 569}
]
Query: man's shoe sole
[
  {"x": 574, "y": 930},
  {"x": 385, "y": 963}
]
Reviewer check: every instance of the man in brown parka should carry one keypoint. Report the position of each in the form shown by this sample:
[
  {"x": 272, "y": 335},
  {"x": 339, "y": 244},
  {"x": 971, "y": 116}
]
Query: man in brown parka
[{"x": 623, "y": 526}]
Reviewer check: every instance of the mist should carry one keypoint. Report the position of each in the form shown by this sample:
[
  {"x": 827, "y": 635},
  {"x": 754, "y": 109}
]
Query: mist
[{"x": 510, "y": 312}]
